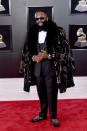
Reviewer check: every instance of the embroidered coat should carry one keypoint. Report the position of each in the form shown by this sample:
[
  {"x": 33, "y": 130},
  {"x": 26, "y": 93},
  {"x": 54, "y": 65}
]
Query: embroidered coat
[{"x": 59, "y": 49}]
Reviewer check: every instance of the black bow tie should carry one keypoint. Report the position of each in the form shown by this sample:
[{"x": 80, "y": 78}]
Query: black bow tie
[{"x": 42, "y": 29}]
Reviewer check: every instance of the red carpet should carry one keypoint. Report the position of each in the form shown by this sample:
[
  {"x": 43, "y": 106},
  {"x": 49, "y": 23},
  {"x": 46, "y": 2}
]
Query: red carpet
[{"x": 16, "y": 116}]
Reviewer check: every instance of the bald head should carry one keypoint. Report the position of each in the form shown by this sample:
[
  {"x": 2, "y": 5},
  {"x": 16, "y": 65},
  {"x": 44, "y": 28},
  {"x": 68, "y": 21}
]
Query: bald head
[{"x": 41, "y": 13}]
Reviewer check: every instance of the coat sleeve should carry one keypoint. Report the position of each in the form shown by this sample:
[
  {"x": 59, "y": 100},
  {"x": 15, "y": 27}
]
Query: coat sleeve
[{"x": 64, "y": 63}]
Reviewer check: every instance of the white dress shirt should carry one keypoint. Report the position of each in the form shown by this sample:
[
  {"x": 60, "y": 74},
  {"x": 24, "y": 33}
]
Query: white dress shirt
[{"x": 42, "y": 36}]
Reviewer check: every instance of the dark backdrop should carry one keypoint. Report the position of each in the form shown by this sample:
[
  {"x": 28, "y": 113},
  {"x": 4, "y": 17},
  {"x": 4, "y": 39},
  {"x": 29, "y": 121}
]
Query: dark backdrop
[{"x": 9, "y": 60}]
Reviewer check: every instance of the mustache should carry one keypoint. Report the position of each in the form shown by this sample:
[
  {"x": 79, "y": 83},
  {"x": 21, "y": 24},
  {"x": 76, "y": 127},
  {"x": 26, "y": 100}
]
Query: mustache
[{"x": 45, "y": 24}]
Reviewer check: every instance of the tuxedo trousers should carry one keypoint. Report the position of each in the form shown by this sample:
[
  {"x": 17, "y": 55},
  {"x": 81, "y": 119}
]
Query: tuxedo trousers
[{"x": 47, "y": 92}]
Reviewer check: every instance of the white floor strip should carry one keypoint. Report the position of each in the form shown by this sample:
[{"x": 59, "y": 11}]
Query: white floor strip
[{"x": 11, "y": 89}]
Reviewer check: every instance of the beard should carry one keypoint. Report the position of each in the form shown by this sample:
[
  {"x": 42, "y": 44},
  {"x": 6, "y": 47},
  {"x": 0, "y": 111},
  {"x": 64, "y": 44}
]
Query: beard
[{"x": 44, "y": 26}]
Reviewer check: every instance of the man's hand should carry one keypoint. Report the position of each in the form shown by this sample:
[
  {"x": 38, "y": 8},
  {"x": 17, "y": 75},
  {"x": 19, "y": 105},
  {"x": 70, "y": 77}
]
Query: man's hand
[
  {"x": 41, "y": 55},
  {"x": 36, "y": 58}
]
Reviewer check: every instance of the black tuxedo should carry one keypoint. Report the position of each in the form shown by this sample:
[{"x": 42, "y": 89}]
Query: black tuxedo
[{"x": 44, "y": 71}]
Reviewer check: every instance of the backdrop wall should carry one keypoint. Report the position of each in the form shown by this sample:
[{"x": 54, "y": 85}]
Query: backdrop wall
[{"x": 9, "y": 60}]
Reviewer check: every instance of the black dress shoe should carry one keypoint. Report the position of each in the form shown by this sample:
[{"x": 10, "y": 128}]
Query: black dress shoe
[
  {"x": 55, "y": 122},
  {"x": 38, "y": 118}
]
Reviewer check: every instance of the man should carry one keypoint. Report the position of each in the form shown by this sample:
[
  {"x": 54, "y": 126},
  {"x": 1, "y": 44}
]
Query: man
[{"x": 44, "y": 42}]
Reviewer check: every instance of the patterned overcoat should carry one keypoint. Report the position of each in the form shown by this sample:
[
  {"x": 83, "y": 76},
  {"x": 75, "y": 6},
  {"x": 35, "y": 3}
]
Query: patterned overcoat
[{"x": 63, "y": 61}]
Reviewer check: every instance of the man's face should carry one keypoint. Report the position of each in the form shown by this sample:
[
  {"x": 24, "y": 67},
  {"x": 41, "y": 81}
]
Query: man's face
[{"x": 40, "y": 17}]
